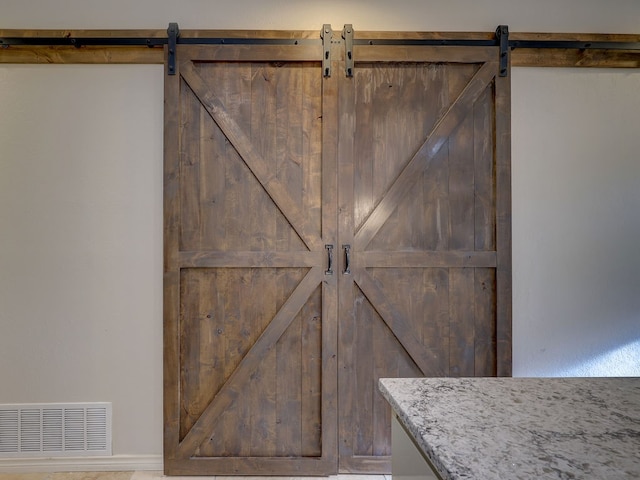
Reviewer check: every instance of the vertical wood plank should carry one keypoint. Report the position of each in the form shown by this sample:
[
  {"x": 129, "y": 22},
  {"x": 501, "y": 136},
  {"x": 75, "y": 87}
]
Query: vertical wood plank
[
  {"x": 347, "y": 216},
  {"x": 213, "y": 187},
  {"x": 288, "y": 379},
  {"x": 483, "y": 154},
  {"x": 435, "y": 184},
  {"x": 383, "y": 366},
  {"x": 435, "y": 304},
  {"x": 503, "y": 221},
  {"x": 461, "y": 311},
  {"x": 171, "y": 273},
  {"x": 236, "y": 332},
  {"x": 225, "y": 355},
  {"x": 362, "y": 381},
  {"x": 331, "y": 191},
  {"x": 458, "y": 76},
  {"x": 189, "y": 169},
  {"x": 311, "y": 376},
  {"x": 485, "y": 323},
  {"x": 287, "y": 165},
  {"x": 189, "y": 352},
  {"x": 262, "y": 389},
  {"x": 311, "y": 148},
  {"x": 461, "y": 186},
  {"x": 437, "y": 209},
  {"x": 264, "y": 138},
  {"x": 362, "y": 87}
]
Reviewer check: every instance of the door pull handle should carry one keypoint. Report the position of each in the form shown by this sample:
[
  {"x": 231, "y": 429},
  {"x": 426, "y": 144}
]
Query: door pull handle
[
  {"x": 347, "y": 259},
  {"x": 329, "y": 270}
]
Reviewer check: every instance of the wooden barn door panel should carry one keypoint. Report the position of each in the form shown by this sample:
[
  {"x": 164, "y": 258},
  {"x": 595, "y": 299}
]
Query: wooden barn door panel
[
  {"x": 271, "y": 362},
  {"x": 250, "y": 315},
  {"x": 419, "y": 215}
]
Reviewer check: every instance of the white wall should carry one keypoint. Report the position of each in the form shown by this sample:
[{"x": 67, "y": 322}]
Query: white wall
[
  {"x": 612, "y": 16},
  {"x": 81, "y": 188},
  {"x": 576, "y": 222},
  {"x": 81, "y": 242}
]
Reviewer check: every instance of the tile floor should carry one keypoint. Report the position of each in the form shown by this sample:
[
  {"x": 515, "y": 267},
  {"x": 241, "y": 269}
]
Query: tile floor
[{"x": 146, "y": 475}]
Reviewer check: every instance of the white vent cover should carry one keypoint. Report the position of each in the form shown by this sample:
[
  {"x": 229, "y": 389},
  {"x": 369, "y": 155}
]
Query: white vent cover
[{"x": 55, "y": 430}]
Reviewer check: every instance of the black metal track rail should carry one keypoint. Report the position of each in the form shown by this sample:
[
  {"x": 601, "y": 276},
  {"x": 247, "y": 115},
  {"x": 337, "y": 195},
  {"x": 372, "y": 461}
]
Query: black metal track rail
[
  {"x": 160, "y": 42},
  {"x": 149, "y": 42},
  {"x": 568, "y": 44}
]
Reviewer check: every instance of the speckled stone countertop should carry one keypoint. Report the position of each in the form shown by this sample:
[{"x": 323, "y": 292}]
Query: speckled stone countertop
[{"x": 522, "y": 428}]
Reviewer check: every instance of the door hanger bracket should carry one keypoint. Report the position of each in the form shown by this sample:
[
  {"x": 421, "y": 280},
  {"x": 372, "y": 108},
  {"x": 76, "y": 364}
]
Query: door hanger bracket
[
  {"x": 502, "y": 35},
  {"x": 347, "y": 35},
  {"x": 173, "y": 32},
  {"x": 326, "y": 35}
]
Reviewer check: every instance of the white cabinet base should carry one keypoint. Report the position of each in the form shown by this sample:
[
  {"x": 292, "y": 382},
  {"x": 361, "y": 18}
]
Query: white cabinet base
[{"x": 407, "y": 462}]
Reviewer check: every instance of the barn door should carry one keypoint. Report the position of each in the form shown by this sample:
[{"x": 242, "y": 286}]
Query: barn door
[
  {"x": 250, "y": 310},
  {"x": 424, "y": 229},
  {"x": 322, "y": 232}
]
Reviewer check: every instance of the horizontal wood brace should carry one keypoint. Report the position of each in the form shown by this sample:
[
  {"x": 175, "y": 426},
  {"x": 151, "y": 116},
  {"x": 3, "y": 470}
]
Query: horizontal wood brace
[
  {"x": 573, "y": 44},
  {"x": 317, "y": 466},
  {"x": 425, "y": 259},
  {"x": 215, "y": 259}
]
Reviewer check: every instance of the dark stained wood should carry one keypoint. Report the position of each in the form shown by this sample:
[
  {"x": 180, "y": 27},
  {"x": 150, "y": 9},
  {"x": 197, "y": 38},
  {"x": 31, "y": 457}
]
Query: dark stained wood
[
  {"x": 210, "y": 259},
  {"x": 422, "y": 231},
  {"x": 362, "y": 421},
  {"x": 85, "y": 54},
  {"x": 557, "y": 57},
  {"x": 256, "y": 334},
  {"x": 425, "y": 259},
  {"x": 399, "y": 325},
  {"x": 503, "y": 225},
  {"x": 254, "y": 53},
  {"x": 484, "y": 172},
  {"x": 66, "y": 33},
  {"x": 485, "y": 347},
  {"x": 278, "y": 362},
  {"x": 263, "y": 346},
  {"x": 576, "y": 36},
  {"x": 330, "y": 234},
  {"x": 379, "y": 53},
  {"x": 243, "y": 145},
  {"x": 422, "y": 159},
  {"x": 347, "y": 406},
  {"x": 395, "y": 35},
  {"x": 140, "y": 55},
  {"x": 462, "y": 322},
  {"x": 522, "y": 57},
  {"x": 171, "y": 272},
  {"x": 568, "y": 58},
  {"x": 311, "y": 419}
]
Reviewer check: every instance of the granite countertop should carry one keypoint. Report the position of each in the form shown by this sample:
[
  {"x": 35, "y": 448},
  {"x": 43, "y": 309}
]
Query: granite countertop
[{"x": 522, "y": 428}]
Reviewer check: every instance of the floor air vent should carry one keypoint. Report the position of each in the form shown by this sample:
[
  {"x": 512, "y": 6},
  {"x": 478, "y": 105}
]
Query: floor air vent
[{"x": 55, "y": 429}]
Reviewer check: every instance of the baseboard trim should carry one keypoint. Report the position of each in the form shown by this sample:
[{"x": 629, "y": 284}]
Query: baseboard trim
[{"x": 114, "y": 463}]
